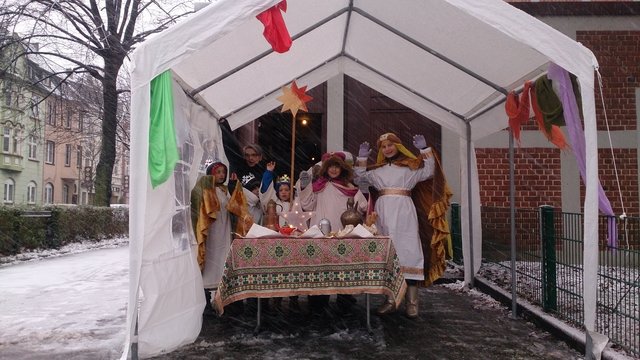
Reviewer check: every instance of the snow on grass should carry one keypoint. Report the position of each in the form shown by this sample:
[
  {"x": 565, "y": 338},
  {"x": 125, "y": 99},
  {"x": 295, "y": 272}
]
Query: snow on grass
[{"x": 73, "y": 248}]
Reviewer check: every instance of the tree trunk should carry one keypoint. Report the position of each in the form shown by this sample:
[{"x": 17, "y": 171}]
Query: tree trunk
[{"x": 104, "y": 170}]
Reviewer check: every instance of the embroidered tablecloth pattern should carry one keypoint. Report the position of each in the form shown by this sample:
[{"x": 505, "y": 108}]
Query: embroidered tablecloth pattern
[{"x": 273, "y": 267}]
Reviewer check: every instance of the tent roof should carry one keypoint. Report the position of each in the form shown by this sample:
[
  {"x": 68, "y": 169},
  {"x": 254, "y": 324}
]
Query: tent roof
[{"x": 452, "y": 61}]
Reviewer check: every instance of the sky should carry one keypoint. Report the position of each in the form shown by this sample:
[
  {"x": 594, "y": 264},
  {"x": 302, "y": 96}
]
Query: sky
[{"x": 66, "y": 304}]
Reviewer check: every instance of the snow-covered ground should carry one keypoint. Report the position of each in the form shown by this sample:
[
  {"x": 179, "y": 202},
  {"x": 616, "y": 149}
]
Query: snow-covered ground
[
  {"x": 71, "y": 303},
  {"x": 70, "y": 306},
  {"x": 613, "y": 293}
]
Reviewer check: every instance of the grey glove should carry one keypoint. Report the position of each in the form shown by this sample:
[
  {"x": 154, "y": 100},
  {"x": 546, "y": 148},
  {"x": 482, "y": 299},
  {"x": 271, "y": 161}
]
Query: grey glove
[
  {"x": 364, "y": 150},
  {"x": 419, "y": 142},
  {"x": 305, "y": 179}
]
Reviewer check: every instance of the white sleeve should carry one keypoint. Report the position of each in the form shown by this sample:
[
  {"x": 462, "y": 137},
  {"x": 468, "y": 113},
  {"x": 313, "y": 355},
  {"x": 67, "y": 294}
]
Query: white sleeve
[{"x": 308, "y": 198}]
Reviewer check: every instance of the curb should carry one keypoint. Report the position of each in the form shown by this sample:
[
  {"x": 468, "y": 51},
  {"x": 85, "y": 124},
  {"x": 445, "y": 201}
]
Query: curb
[{"x": 572, "y": 336}]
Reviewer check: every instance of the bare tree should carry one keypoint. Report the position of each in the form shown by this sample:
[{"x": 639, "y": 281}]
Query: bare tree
[{"x": 90, "y": 37}]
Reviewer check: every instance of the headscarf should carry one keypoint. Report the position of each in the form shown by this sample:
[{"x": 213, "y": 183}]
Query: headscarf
[
  {"x": 214, "y": 166},
  {"x": 404, "y": 158}
]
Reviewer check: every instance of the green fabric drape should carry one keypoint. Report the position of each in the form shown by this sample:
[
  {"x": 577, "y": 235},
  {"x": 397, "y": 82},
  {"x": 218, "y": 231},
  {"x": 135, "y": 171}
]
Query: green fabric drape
[
  {"x": 163, "y": 147},
  {"x": 549, "y": 103}
]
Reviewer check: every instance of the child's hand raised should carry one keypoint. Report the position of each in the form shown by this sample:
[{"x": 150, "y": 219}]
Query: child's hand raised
[{"x": 271, "y": 165}]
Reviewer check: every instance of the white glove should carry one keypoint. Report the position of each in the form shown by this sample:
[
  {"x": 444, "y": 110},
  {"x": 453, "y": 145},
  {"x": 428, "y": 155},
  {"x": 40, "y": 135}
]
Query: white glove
[
  {"x": 419, "y": 142},
  {"x": 364, "y": 150},
  {"x": 305, "y": 179}
]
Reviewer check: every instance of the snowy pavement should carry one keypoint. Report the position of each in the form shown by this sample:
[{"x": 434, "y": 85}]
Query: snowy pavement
[{"x": 67, "y": 307}]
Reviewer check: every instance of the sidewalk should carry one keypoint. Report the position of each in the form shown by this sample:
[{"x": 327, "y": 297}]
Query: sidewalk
[{"x": 453, "y": 324}]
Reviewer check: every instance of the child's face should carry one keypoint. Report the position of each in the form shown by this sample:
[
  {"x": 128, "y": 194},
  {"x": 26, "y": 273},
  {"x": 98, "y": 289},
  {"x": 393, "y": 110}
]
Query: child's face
[
  {"x": 284, "y": 192},
  {"x": 256, "y": 190},
  {"x": 334, "y": 171},
  {"x": 389, "y": 149},
  {"x": 220, "y": 174}
]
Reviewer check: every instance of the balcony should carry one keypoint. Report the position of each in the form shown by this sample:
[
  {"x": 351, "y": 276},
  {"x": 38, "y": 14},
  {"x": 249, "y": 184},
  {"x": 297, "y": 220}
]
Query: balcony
[{"x": 11, "y": 162}]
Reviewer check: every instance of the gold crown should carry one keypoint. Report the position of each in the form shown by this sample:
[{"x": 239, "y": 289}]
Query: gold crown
[{"x": 284, "y": 179}]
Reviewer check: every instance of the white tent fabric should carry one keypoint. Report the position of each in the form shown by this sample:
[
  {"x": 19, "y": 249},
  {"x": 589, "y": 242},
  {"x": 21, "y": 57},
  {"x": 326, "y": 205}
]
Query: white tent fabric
[{"x": 452, "y": 61}]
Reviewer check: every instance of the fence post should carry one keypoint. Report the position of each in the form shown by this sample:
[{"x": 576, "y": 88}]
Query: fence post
[
  {"x": 549, "y": 280},
  {"x": 456, "y": 233}
]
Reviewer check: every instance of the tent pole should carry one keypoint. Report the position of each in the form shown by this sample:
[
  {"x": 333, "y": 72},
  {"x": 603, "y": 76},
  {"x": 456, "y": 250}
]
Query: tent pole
[
  {"x": 134, "y": 343},
  {"x": 293, "y": 149},
  {"x": 470, "y": 205},
  {"x": 512, "y": 216}
]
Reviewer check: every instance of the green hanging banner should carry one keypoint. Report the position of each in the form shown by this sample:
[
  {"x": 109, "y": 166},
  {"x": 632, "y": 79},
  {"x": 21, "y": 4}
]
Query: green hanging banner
[{"x": 163, "y": 147}]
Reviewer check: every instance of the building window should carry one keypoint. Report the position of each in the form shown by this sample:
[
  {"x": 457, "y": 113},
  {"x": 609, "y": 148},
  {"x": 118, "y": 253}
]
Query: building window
[
  {"x": 33, "y": 147},
  {"x": 35, "y": 102},
  {"x": 31, "y": 192},
  {"x": 65, "y": 194},
  {"x": 79, "y": 156},
  {"x": 51, "y": 119},
  {"x": 9, "y": 190},
  {"x": 15, "y": 142},
  {"x": 48, "y": 193},
  {"x": 10, "y": 142},
  {"x": 67, "y": 155},
  {"x": 51, "y": 152},
  {"x": 6, "y": 139},
  {"x": 7, "y": 96},
  {"x": 67, "y": 120},
  {"x": 80, "y": 121}
]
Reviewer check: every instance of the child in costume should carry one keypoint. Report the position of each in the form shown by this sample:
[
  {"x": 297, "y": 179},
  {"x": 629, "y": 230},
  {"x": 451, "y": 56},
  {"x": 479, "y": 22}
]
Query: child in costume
[
  {"x": 212, "y": 224},
  {"x": 251, "y": 188},
  {"x": 400, "y": 178},
  {"x": 330, "y": 191},
  {"x": 279, "y": 191},
  {"x": 327, "y": 196}
]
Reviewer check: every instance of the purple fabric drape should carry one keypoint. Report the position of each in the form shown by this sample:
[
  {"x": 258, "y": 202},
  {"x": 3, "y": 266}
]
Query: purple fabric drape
[{"x": 576, "y": 136}]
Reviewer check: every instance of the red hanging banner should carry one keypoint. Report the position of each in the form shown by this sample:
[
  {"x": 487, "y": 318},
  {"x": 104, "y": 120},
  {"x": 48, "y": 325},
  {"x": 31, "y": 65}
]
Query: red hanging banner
[{"x": 275, "y": 30}]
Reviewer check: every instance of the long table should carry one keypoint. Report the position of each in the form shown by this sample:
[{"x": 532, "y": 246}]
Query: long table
[{"x": 287, "y": 266}]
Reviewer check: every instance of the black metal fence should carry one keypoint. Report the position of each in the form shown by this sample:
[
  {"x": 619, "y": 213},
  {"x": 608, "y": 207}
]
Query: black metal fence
[{"x": 549, "y": 266}]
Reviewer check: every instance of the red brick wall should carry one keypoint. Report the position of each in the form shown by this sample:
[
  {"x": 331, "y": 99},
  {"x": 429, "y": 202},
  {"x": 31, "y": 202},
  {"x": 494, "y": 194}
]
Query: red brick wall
[
  {"x": 537, "y": 177},
  {"x": 618, "y": 54},
  {"x": 627, "y": 169}
]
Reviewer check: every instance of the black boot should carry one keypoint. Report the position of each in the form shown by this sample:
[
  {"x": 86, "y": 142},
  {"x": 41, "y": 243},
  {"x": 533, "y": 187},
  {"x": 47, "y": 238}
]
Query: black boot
[{"x": 208, "y": 308}]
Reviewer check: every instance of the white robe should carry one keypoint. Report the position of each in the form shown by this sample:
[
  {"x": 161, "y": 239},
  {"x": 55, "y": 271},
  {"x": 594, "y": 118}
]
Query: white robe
[
  {"x": 218, "y": 244},
  {"x": 397, "y": 216},
  {"x": 329, "y": 204},
  {"x": 255, "y": 210}
]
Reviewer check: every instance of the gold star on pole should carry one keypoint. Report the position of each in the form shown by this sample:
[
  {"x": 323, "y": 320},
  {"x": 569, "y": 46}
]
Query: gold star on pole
[{"x": 294, "y": 98}]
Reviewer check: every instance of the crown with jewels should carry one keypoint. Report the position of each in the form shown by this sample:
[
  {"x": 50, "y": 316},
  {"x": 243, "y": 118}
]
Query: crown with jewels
[{"x": 283, "y": 179}]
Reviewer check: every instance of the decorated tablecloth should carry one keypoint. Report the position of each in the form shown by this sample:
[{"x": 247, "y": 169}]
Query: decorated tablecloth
[{"x": 278, "y": 267}]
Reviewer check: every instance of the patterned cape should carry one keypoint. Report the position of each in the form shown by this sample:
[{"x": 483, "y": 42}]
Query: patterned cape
[
  {"x": 432, "y": 199},
  {"x": 205, "y": 207}
]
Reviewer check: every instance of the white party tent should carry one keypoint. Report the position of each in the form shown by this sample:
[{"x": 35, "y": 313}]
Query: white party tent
[{"x": 452, "y": 61}]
